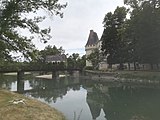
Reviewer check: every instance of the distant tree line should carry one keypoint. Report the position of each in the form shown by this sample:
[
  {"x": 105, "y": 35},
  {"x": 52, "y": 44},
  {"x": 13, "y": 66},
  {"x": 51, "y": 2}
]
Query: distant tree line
[
  {"x": 72, "y": 61},
  {"x": 13, "y": 16},
  {"x": 39, "y": 60},
  {"x": 132, "y": 33}
]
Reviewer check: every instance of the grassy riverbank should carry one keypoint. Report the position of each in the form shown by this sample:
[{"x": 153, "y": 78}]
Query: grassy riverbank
[
  {"x": 17, "y": 107},
  {"x": 145, "y": 75}
]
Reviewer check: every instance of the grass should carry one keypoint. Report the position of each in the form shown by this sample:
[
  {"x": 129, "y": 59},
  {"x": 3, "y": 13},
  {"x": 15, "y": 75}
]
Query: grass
[
  {"x": 78, "y": 117},
  {"x": 31, "y": 110},
  {"x": 146, "y": 75}
]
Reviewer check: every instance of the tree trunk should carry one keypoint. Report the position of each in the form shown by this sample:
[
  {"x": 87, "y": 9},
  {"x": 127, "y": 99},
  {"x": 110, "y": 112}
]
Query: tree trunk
[
  {"x": 157, "y": 66},
  {"x": 121, "y": 66},
  {"x": 129, "y": 66},
  {"x": 110, "y": 66},
  {"x": 151, "y": 66},
  {"x": 135, "y": 68}
]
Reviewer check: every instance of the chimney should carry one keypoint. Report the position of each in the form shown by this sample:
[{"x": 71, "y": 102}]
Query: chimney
[{"x": 91, "y": 31}]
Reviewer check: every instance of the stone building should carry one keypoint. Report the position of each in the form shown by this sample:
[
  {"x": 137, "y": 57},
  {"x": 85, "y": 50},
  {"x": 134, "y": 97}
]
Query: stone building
[
  {"x": 58, "y": 58},
  {"x": 92, "y": 44}
]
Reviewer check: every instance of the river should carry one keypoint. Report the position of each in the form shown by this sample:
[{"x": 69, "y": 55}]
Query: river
[{"x": 80, "y": 98}]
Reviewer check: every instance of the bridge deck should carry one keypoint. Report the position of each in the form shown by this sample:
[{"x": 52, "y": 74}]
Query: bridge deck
[{"x": 41, "y": 69}]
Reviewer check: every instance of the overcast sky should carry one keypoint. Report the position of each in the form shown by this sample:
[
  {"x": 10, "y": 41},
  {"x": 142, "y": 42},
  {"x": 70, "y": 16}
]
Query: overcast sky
[{"x": 80, "y": 16}]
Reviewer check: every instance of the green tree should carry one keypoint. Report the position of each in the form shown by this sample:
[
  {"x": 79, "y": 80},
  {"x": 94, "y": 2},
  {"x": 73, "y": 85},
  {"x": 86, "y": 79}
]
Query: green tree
[
  {"x": 145, "y": 17},
  {"x": 72, "y": 60},
  {"x": 130, "y": 43},
  {"x": 95, "y": 58},
  {"x": 12, "y": 18},
  {"x": 112, "y": 42},
  {"x": 82, "y": 62},
  {"x": 49, "y": 50},
  {"x": 76, "y": 61}
]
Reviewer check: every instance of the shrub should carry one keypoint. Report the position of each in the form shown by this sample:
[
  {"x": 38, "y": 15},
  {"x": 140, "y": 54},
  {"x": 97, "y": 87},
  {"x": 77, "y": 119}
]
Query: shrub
[{"x": 88, "y": 68}]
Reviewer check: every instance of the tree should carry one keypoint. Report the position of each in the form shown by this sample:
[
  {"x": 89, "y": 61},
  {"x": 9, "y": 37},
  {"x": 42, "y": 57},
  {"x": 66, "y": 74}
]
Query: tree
[
  {"x": 82, "y": 62},
  {"x": 72, "y": 60},
  {"x": 76, "y": 61},
  {"x": 112, "y": 43},
  {"x": 145, "y": 26},
  {"x": 130, "y": 43},
  {"x": 49, "y": 50},
  {"x": 95, "y": 58},
  {"x": 4, "y": 54},
  {"x": 12, "y": 17}
]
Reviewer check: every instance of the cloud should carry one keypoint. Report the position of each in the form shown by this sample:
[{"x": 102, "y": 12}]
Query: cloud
[{"x": 80, "y": 16}]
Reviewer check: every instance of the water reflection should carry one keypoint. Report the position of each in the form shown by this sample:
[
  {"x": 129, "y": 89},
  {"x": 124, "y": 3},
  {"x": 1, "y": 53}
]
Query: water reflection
[
  {"x": 50, "y": 90},
  {"x": 8, "y": 82},
  {"x": 97, "y": 101}
]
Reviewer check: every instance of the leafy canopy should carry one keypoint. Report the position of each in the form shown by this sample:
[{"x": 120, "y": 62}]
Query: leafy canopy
[
  {"x": 13, "y": 16},
  {"x": 145, "y": 26},
  {"x": 112, "y": 42}
]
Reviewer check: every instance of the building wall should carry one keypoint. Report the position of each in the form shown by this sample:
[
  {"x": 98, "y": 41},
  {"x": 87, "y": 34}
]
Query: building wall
[
  {"x": 89, "y": 50},
  {"x": 92, "y": 44},
  {"x": 103, "y": 66}
]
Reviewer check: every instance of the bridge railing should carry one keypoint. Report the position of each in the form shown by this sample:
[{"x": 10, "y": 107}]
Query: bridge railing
[{"x": 33, "y": 67}]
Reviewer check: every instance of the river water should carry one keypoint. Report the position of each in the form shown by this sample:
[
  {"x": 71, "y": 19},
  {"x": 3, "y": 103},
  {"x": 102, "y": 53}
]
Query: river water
[{"x": 80, "y": 98}]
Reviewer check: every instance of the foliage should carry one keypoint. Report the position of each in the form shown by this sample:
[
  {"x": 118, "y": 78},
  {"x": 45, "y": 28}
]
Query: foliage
[
  {"x": 94, "y": 57},
  {"x": 49, "y": 50},
  {"x": 88, "y": 68},
  {"x": 75, "y": 61},
  {"x": 145, "y": 27},
  {"x": 13, "y": 17},
  {"x": 133, "y": 40},
  {"x": 112, "y": 42},
  {"x": 17, "y": 66},
  {"x": 82, "y": 62}
]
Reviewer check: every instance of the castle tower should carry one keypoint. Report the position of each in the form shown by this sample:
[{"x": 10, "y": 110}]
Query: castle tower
[{"x": 91, "y": 45}]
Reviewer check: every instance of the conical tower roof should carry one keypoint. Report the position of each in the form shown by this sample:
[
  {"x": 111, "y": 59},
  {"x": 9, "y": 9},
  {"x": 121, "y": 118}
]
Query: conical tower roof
[{"x": 92, "y": 39}]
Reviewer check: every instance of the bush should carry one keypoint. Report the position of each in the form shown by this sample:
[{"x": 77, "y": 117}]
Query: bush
[{"x": 88, "y": 68}]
